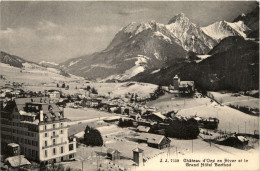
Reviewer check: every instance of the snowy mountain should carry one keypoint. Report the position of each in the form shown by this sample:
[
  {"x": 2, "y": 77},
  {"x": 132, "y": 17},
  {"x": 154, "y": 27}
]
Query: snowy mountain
[
  {"x": 251, "y": 20},
  {"x": 222, "y": 29},
  {"x": 48, "y": 64},
  {"x": 141, "y": 46},
  {"x": 231, "y": 65}
]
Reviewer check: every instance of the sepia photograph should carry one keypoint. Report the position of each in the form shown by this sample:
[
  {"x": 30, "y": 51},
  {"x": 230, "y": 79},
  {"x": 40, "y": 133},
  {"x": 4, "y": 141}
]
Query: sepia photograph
[{"x": 129, "y": 85}]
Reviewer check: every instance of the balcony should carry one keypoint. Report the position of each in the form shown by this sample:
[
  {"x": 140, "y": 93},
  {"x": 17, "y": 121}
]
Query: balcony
[
  {"x": 54, "y": 136},
  {"x": 53, "y": 145}
]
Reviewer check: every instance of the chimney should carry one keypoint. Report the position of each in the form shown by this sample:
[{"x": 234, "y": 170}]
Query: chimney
[{"x": 41, "y": 115}]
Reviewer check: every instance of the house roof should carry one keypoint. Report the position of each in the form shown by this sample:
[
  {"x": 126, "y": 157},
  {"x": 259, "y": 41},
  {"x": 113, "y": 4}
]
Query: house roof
[
  {"x": 139, "y": 150},
  {"x": 143, "y": 128},
  {"x": 17, "y": 161},
  {"x": 111, "y": 151},
  {"x": 159, "y": 114},
  {"x": 13, "y": 145},
  {"x": 151, "y": 138}
]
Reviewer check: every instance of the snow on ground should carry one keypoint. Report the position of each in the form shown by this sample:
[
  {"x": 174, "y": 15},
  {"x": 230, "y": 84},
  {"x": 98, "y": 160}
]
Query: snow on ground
[
  {"x": 45, "y": 62},
  {"x": 140, "y": 65},
  {"x": 240, "y": 27},
  {"x": 155, "y": 71},
  {"x": 202, "y": 57},
  {"x": 229, "y": 118},
  {"x": 142, "y": 27},
  {"x": 238, "y": 99},
  {"x": 159, "y": 34},
  {"x": 219, "y": 31},
  {"x": 73, "y": 62},
  {"x": 33, "y": 74}
]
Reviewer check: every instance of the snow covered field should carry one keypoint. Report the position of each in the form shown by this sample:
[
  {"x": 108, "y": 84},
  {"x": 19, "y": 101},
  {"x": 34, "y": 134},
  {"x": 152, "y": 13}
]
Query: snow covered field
[
  {"x": 229, "y": 119},
  {"x": 33, "y": 74},
  {"x": 231, "y": 98}
]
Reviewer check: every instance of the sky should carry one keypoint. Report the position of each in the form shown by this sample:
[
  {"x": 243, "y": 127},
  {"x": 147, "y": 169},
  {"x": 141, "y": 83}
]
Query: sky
[{"x": 57, "y": 31}]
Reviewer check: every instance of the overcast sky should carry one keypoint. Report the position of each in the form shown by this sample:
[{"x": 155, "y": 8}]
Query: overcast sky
[{"x": 57, "y": 31}]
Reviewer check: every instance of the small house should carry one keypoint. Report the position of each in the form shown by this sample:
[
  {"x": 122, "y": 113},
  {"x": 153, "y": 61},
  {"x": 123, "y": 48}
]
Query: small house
[
  {"x": 113, "y": 154},
  {"x": 154, "y": 140},
  {"x": 141, "y": 128}
]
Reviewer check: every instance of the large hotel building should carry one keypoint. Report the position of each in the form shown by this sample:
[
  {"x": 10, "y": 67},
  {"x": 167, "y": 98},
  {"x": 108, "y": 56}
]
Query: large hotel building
[{"x": 39, "y": 127}]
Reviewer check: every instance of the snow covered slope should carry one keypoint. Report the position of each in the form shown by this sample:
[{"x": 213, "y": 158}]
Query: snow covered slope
[{"x": 222, "y": 29}]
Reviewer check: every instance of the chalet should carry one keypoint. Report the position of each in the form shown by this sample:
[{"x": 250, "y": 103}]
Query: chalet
[
  {"x": 155, "y": 116},
  {"x": 135, "y": 116},
  {"x": 141, "y": 128},
  {"x": 113, "y": 154},
  {"x": 154, "y": 140}
]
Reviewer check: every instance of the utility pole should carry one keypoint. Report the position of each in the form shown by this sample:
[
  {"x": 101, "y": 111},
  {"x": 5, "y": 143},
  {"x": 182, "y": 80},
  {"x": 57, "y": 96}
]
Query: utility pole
[
  {"x": 245, "y": 127},
  {"x": 192, "y": 145}
]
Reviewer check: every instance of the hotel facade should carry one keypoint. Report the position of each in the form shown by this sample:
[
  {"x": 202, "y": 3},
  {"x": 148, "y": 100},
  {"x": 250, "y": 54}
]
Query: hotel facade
[{"x": 39, "y": 127}]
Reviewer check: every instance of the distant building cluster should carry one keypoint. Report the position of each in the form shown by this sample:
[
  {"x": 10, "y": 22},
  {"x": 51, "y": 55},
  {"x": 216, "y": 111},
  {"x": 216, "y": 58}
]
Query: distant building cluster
[{"x": 184, "y": 87}]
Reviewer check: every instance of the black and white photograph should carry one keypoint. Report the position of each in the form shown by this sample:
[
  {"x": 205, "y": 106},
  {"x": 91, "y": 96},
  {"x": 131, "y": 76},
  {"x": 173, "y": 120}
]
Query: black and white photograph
[{"x": 129, "y": 85}]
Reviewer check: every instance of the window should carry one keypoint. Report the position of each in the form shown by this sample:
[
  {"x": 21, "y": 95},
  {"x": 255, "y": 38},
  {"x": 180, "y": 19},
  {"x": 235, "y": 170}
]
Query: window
[
  {"x": 29, "y": 142},
  {"x": 25, "y": 141},
  {"x": 61, "y": 124},
  {"x": 54, "y": 141},
  {"x": 46, "y": 135},
  {"x": 61, "y": 131},
  {"x": 54, "y": 151},
  {"x": 21, "y": 140},
  {"x": 61, "y": 150},
  {"x": 53, "y": 133},
  {"x": 45, "y": 127},
  {"x": 33, "y": 153},
  {"x": 53, "y": 125},
  {"x": 45, "y": 143},
  {"x": 46, "y": 153},
  {"x": 36, "y": 153},
  {"x": 70, "y": 147}
]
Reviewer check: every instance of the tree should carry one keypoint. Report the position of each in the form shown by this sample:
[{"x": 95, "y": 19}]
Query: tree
[
  {"x": 92, "y": 137},
  {"x": 94, "y": 91}
]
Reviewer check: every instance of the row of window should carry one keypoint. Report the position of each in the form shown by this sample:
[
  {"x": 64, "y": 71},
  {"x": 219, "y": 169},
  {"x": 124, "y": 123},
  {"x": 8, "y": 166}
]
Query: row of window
[
  {"x": 26, "y": 133},
  {"x": 29, "y": 152},
  {"x": 54, "y": 151},
  {"x": 53, "y": 133},
  {"x": 53, "y": 126},
  {"x": 53, "y": 142}
]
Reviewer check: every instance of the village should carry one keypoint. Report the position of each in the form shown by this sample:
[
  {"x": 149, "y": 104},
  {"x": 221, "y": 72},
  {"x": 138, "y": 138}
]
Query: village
[{"x": 88, "y": 126}]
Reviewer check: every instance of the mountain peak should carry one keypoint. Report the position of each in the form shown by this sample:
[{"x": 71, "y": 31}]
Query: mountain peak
[{"x": 180, "y": 16}]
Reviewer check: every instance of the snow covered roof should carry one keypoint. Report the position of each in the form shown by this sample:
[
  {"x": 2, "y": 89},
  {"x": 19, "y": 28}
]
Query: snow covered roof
[{"x": 17, "y": 161}]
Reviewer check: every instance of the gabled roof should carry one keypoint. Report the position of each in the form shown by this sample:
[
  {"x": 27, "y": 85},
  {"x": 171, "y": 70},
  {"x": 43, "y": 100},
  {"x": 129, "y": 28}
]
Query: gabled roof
[
  {"x": 159, "y": 114},
  {"x": 151, "y": 138},
  {"x": 143, "y": 128},
  {"x": 17, "y": 161},
  {"x": 111, "y": 151}
]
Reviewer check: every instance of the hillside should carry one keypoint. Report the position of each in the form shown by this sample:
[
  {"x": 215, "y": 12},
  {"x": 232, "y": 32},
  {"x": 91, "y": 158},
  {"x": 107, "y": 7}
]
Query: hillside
[
  {"x": 11, "y": 60},
  {"x": 233, "y": 65},
  {"x": 16, "y": 69},
  {"x": 139, "y": 47}
]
